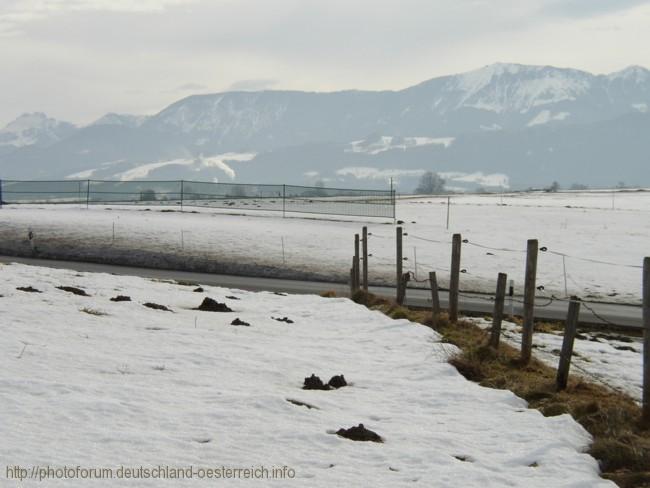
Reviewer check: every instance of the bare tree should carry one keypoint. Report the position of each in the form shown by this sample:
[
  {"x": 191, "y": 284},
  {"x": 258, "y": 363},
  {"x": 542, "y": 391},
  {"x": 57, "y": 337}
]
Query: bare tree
[{"x": 430, "y": 184}]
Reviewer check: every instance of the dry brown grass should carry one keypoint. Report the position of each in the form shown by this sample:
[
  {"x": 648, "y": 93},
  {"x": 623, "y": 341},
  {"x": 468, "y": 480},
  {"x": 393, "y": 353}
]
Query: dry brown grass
[{"x": 621, "y": 442}]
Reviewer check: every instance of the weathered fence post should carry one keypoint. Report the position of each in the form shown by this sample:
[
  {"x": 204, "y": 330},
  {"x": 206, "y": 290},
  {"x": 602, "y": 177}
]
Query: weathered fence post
[
  {"x": 399, "y": 260},
  {"x": 357, "y": 268},
  {"x": 364, "y": 234},
  {"x": 284, "y": 199},
  {"x": 402, "y": 288},
  {"x": 454, "y": 279},
  {"x": 352, "y": 280},
  {"x": 497, "y": 315},
  {"x": 646, "y": 339},
  {"x": 529, "y": 301},
  {"x": 88, "y": 194},
  {"x": 567, "y": 344},
  {"x": 435, "y": 299}
]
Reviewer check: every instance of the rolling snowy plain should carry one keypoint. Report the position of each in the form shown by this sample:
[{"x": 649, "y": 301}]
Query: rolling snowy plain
[
  {"x": 595, "y": 241},
  {"x": 89, "y": 382}
]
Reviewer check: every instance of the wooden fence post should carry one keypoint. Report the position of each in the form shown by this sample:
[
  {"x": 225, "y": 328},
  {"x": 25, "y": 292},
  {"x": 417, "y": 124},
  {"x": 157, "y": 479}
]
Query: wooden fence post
[
  {"x": 435, "y": 299},
  {"x": 529, "y": 301},
  {"x": 567, "y": 344},
  {"x": 364, "y": 234},
  {"x": 402, "y": 288},
  {"x": 646, "y": 339},
  {"x": 399, "y": 261},
  {"x": 88, "y": 194},
  {"x": 454, "y": 279},
  {"x": 497, "y": 315},
  {"x": 357, "y": 269}
]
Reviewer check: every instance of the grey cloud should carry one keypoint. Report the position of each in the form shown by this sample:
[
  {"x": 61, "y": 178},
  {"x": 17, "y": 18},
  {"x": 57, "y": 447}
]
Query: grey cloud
[
  {"x": 253, "y": 85},
  {"x": 588, "y": 8}
]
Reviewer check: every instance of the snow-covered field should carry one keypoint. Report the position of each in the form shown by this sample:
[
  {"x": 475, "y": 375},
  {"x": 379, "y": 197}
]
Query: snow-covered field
[
  {"x": 607, "y": 358},
  {"x": 594, "y": 250},
  {"x": 88, "y": 382}
]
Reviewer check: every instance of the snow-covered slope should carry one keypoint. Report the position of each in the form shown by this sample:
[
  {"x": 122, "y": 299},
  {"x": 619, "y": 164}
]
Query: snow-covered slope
[{"x": 92, "y": 383}]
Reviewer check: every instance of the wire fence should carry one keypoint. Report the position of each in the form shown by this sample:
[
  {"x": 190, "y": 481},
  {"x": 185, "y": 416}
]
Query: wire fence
[{"x": 279, "y": 198}]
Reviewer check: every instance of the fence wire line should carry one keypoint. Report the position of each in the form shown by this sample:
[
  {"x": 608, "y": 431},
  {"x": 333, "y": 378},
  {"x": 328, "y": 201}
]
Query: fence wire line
[{"x": 279, "y": 198}]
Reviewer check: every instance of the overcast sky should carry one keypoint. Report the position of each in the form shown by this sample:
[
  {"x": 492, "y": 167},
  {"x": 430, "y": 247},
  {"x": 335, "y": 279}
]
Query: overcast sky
[{"x": 78, "y": 59}]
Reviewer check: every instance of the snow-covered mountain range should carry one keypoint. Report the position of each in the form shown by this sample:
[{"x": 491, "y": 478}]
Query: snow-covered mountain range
[{"x": 514, "y": 124}]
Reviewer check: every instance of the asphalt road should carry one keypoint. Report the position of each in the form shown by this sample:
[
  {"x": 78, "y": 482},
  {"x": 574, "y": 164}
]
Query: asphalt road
[{"x": 605, "y": 314}]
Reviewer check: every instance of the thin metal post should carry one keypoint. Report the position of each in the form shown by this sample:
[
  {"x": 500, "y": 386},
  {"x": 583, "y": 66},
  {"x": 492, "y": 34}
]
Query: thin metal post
[
  {"x": 284, "y": 199},
  {"x": 448, "y": 205},
  {"x": 88, "y": 194},
  {"x": 182, "y": 191}
]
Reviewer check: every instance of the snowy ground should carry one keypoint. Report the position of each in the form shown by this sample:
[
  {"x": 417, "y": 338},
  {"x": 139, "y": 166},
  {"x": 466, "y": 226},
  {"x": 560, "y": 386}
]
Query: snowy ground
[
  {"x": 607, "y": 358},
  {"x": 601, "y": 248},
  {"x": 128, "y": 385}
]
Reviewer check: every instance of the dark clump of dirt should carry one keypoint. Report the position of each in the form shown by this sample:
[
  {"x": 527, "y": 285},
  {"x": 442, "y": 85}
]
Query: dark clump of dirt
[
  {"x": 210, "y": 305},
  {"x": 625, "y": 348},
  {"x": 198, "y": 290},
  {"x": 314, "y": 383},
  {"x": 74, "y": 289},
  {"x": 279, "y": 294},
  {"x": 302, "y": 404},
  {"x": 283, "y": 319},
  {"x": 239, "y": 322},
  {"x": 121, "y": 298},
  {"x": 359, "y": 433},
  {"x": 156, "y": 306},
  {"x": 232, "y": 298},
  {"x": 337, "y": 381},
  {"x": 29, "y": 289}
]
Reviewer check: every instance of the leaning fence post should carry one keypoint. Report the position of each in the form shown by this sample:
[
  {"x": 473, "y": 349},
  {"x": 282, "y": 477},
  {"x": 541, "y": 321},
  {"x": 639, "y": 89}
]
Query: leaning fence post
[
  {"x": 529, "y": 301},
  {"x": 399, "y": 261},
  {"x": 646, "y": 339},
  {"x": 364, "y": 234},
  {"x": 497, "y": 315},
  {"x": 454, "y": 279},
  {"x": 567, "y": 344},
  {"x": 435, "y": 299}
]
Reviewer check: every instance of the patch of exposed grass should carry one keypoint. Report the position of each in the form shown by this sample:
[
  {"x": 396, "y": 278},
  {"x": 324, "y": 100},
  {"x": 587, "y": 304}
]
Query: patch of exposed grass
[{"x": 621, "y": 442}]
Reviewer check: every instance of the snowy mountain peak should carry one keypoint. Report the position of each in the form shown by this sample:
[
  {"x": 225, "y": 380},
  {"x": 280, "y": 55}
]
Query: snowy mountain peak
[
  {"x": 633, "y": 73},
  {"x": 121, "y": 119},
  {"x": 519, "y": 88},
  {"x": 34, "y": 128}
]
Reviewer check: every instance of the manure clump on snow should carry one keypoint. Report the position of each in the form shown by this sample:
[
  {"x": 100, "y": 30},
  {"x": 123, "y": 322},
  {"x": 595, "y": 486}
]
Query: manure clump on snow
[
  {"x": 210, "y": 305},
  {"x": 359, "y": 433},
  {"x": 121, "y": 298},
  {"x": 156, "y": 306},
  {"x": 286, "y": 320},
  {"x": 29, "y": 289},
  {"x": 239, "y": 322},
  {"x": 337, "y": 382},
  {"x": 74, "y": 289},
  {"x": 314, "y": 383}
]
